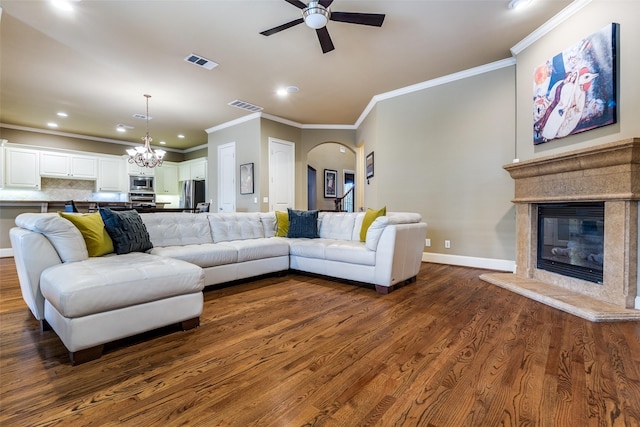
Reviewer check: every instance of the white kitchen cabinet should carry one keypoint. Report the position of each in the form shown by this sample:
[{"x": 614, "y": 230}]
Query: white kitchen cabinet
[
  {"x": 166, "y": 179},
  {"x": 22, "y": 168},
  {"x": 110, "y": 175},
  {"x": 199, "y": 169},
  {"x": 193, "y": 169},
  {"x": 133, "y": 169},
  {"x": 64, "y": 165}
]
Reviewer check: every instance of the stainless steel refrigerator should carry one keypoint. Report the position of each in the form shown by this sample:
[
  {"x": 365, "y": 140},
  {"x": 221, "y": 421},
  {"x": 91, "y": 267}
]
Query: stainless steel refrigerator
[{"x": 193, "y": 192}]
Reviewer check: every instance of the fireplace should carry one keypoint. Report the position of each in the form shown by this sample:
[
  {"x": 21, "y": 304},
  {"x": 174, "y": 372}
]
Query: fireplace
[
  {"x": 577, "y": 216},
  {"x": 571, "y": 239}
]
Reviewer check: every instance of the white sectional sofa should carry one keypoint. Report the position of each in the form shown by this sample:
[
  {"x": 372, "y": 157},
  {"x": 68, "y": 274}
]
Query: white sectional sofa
[{"x": 89, "y": 301}]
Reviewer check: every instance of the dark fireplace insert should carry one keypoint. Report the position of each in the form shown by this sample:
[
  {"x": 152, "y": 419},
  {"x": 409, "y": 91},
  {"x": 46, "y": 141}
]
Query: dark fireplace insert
[{"x": 571, "y": 239}]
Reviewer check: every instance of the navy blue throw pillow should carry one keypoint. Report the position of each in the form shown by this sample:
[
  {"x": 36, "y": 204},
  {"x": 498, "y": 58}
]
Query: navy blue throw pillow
[
  {"x": 303, "y": 224},
  {"x": 127, "y": 231}
]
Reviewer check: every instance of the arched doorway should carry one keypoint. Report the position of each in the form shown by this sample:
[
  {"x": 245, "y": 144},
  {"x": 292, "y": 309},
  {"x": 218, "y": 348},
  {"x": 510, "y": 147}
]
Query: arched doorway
[{"x": 331, "y": 157}]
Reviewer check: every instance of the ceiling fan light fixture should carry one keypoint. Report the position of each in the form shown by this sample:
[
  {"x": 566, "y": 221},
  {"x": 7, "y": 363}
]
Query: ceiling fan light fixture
[{"x": 315, "y": 15}]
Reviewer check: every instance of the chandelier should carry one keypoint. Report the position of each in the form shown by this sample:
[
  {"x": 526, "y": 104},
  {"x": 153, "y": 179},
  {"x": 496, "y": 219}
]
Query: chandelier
[{"x": 144, "y": 156}]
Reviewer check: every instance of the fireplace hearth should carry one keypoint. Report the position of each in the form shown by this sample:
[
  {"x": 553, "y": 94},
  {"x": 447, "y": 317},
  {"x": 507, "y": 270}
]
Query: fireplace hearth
[{"x": 577, "y": 231}]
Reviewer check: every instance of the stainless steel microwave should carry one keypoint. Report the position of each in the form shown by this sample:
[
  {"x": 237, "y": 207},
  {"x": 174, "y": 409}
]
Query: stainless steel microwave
[{"x": 141, "y": 184}]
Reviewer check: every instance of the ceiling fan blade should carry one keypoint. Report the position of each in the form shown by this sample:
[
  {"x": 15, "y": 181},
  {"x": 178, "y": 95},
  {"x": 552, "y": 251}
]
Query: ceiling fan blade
[
  {"x": 324, "y": 39},
  {"x": 282, "y": 27},
  {"x": 373, "y": 19},
  {"x": 326, "y": 3},
  {"x": 296, "y": 3}
]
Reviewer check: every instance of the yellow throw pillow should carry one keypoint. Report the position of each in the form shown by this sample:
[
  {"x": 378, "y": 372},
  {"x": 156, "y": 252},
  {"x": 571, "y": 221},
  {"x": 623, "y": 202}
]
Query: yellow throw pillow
[
  {"x": 282, "y": 220},
  {"x": 93, "y": 231},
  {"x": 369, "y": 217}
]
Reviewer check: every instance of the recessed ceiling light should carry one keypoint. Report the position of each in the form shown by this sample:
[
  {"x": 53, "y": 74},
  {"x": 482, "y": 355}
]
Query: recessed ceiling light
[
  {"x": 66, "y": 5},
  {"x": 162, "y": 143},
  {"x": 180, "y": 136},
  {"x": 519, "y": 4},
  {"x": 62, "y": 114},
  {"x": 52, "y": 125},
  {"x": 123, "y": 128},
  {"x": 287, "y": 90}
]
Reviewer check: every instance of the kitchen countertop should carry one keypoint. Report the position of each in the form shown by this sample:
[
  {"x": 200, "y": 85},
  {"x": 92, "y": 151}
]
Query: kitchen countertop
[{"x": 82, "y": 205}]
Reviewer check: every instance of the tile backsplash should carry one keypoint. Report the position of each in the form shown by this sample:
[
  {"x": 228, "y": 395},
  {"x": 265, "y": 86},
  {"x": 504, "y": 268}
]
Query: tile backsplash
[{"x": 62, "y": 189}]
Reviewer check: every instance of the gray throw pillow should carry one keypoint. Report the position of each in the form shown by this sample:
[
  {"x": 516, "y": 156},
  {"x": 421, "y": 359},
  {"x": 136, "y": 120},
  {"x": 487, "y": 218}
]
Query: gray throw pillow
[
  {"x": 127, "y": 231},
  {"x": 303, "y": 224}
]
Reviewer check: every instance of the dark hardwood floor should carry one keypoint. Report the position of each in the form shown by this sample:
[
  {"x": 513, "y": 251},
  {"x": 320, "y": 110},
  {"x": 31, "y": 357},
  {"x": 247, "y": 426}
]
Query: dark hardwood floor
[{"x": 448, "y": 350}]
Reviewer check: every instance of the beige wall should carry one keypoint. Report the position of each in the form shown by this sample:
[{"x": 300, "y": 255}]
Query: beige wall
[
  {"x": 588, "y": 20},
  {"x": 440, "y": 152},
  {"x": 366, "y": 138},
  {"x": 246, "y": 137}
]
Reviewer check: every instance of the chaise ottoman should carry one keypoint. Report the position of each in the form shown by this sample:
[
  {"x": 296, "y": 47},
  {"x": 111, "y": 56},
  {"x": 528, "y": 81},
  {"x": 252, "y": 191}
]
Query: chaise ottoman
[{"x": 102, "y": 299}]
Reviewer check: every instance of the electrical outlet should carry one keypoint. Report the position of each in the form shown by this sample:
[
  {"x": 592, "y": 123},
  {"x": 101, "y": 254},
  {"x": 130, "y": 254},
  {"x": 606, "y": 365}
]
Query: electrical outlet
[
  {"x": 447, "y": 244},
  {"x": 427, "y": 242}
]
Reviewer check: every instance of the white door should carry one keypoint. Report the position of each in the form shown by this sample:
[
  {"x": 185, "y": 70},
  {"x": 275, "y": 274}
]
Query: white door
[
  {"x": 281, "y": 175},
  {"x": 227, "y": 177}
]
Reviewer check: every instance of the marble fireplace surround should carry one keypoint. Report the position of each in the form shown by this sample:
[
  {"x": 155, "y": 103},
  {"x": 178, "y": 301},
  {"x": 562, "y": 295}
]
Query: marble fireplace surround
[{"x": 608, "y": 172}]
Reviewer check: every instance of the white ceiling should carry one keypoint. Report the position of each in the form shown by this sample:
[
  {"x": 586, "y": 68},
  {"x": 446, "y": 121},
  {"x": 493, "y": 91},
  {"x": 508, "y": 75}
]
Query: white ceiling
[{"x": 96, "y": 62}]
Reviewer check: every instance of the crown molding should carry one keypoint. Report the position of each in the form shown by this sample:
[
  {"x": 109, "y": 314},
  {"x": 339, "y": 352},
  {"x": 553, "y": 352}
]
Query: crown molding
[
  {"x": 552, "y": 23},
  {"x": 232, "y": 123},
  {"x": 432, "y": 83}
]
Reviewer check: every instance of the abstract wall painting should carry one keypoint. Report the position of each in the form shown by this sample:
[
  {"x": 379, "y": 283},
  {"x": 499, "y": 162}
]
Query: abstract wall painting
[{"x": 575, "y": 91}]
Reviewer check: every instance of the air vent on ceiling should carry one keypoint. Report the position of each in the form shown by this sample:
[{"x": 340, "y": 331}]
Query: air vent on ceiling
[
  {"x": 142, "y": 116},
  {"x": 201, "y": 61},
  {"x": 245, "y": 106}
]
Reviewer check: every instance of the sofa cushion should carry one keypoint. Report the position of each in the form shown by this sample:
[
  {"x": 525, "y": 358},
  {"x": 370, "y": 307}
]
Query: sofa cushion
[
  {"x": 107, "y": 283},
  {"x": 235, "y": 226},
  {"x": 282, "y": 221},
  {"x": 252, "y": 249},
  {"x": 308, "y": 248},
  {"x": 93, "y": 232},
  {"x": 63, "y": 235},
  {"x": 205, "y": 255},
  {"x": 303, "y": 224},
  {"x": 369, "y": 217},
  {"x": 338, "y": 225},
  {"x": 127, "y": 231},
  {"x": 176, "y": 229},
  {"x": 375, "y": 231},
  {"x": 268, "y": 223},
  {"x": 352, "y": 252}
]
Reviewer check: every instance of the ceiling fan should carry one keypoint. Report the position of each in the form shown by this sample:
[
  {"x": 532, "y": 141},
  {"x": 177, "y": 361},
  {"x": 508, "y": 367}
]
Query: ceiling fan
[{"x": 316, "y": 15}]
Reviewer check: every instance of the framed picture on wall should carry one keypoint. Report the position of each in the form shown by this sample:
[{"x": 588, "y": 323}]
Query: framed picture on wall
[
  {"x": 330, "y": 183},
  {"x": 369, "y": 165},
  {"x": 246, "y": 178},
  {"x": 575, "y": 90}
]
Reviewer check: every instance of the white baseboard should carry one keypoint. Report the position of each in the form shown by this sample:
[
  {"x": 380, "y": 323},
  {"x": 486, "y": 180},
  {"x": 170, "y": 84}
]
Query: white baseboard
[
  {"x": 6, "y": 252},
  {"x": 466, "y": 261}
]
